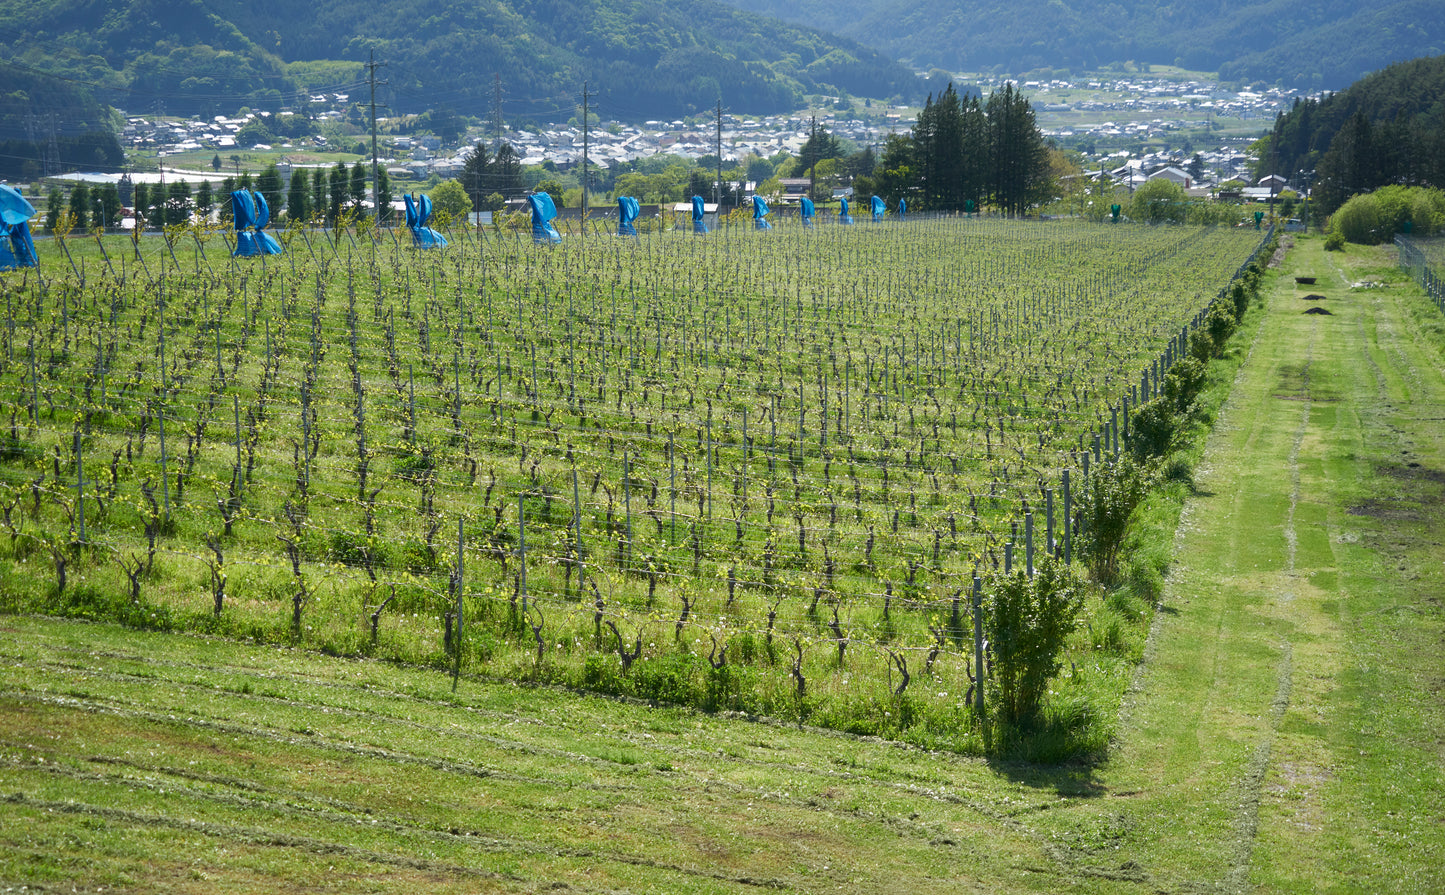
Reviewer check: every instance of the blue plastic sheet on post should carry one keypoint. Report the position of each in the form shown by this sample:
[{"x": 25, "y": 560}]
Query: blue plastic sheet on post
[
  {"x": 879, "y": 209},
  {"x": 698, "y": 224},
  {"x": 843, "y": 216},
  {"x": 902, "y": 208},
  {"x": 17, "y": 249},
  {"x": 760, "y": 214},
  {"x": 627, "y": 212},
  {"x": 251, "y": 214},
  {"x": 808, "y": 211},
  {"x": 543, "y": 212},
  {"x": 418, "y": 212}
]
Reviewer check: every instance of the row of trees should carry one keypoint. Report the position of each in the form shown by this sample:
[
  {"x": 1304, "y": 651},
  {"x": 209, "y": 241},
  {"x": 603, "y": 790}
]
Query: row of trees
[
  {"x": 964, "y": 152},
  {"x": 1384, "y": 129},
  {"x": 317, "y": 193}
]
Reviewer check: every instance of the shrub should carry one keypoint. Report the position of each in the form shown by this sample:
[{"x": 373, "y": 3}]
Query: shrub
[
  {"x": 1183, "y": 383},
  {"x": 1201, "y": 345},
  {"x": 1151, "y": 429},
  {"x": 1221, "y": 323},
  {"x": 1029, "y": 621},
  {"x": 1109, "y": 497},
  {"x": 1335, "y": 241}
]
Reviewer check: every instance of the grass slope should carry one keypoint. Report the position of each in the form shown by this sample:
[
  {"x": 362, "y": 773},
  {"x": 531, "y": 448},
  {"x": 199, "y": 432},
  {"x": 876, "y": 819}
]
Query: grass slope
[{"x": 1285, "y": 734}]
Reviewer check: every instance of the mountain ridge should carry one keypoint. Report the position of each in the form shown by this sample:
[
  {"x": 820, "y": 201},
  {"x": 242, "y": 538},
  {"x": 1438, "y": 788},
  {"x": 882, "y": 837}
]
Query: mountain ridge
[
  {"x": 646, "y": 58},
  {"x": 1323, "y": 45}
]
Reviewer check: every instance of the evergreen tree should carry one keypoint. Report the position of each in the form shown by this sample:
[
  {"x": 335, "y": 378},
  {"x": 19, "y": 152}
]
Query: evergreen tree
[
  {"x": 476, "y": 176},
  {"x": 54, "y": 207},
  {"x": 298, "y": 200},
  {"x": 357, "y": 188},
  {"x": 110, "y": 205},
  {"x": 339, "y": 192},
  {"x": 228, "y": 186},
  {"x": 1017, "y": 156},
  {"x": 507, "y": 172},
  {"x": 820, "y": 146},
  {"x": 140, "y": 195},
  {"x": 268, "y": 184},
  {"x": 383, "y": 193},
  {"x": 178, "y": 203},
  {"x": 318, "y": 192},
  {"x": 79, "y": 206}
]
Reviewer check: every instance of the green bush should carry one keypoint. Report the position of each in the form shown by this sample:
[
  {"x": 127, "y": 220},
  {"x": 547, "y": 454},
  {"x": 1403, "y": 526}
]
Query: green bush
[
  {"x": 1183, "y": 383},
  {"x": 1151, "y": 429},
  {"x": 1109, "y": 497},
  {"x": 1373, "y": 218},
  {"x": 1201, "y": 345},
  {"x": 1221, "y": 323},
  {"x": 1029, "y": 621},
  {"x": 1335, "y": 241}
]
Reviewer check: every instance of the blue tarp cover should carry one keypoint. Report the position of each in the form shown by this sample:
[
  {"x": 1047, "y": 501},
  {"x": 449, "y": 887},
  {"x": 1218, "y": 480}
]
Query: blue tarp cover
[
  {"x": 698, "y": 225},
  {"x": 760, "y": 214},
  {"x": 627, "y": 212},
  {"x": 251, "y": 214},
  {"x": 808, "y": 211},
  {"x": 17, "y": 249},
  {"x": 543, "y": 211},
  {"x": 879, "y": 209},
  {"x": 418, "y": 212},
  {"x": 843, "y": 216},
  {"x": 902, "y": 208}
]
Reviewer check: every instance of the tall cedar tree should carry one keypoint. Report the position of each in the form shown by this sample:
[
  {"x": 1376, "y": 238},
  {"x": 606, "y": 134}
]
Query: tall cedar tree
[
  {"x": 268, "y": 184},
  {"x": 383, "y": 193},
  {"x": 80, "y": 207},
  {"x": 1018, "y": 157},
  {"x": 205, "y": 200},
  {"x": 358, "y": 186},
  {"x": 476, "y": 175},
  {"x": 318, "y": 192},
  {"x": 298, "y": 198},
  {"x": 339, "y": 190}
]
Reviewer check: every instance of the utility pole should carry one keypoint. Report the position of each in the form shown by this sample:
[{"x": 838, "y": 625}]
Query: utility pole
[
  {"x": 717, "y": 146},
  {"x": 497, "y": 107},
  {"x": 813, "y": 168},
  {"x": 371, "y": 67},
  {"x": 585, "y": 125}
]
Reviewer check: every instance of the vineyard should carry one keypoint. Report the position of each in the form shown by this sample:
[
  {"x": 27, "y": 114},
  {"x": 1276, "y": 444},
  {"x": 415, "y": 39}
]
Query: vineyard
[{"x": 764, "y": 472}]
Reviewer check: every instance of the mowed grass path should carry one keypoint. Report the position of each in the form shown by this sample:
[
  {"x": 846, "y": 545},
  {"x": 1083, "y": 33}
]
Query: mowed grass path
[{"x": 1285, "y": 733}]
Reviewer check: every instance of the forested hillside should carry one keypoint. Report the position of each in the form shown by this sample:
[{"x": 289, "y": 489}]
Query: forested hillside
[
  {"x": 1387, "y": 128},
  {"x": 643, "y": 58},
  {"x": 50, "y": 125},
  {"x": 1327, "y": 44}
]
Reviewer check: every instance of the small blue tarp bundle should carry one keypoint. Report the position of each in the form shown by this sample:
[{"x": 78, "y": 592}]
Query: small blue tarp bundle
[
  {"x": 418, "y": 212},
  {"x": 251, "y": 215},
  {"x": 698, "y": 224},
  {"x": 17, "y": 249},
  {"x": 879, "y": 209},
  {"x": 760, "y": 214},
  {"x": 843, "y": 216},
  {"x": 808, "y": 211},
  {"x": 543, "y": 211},
  {"x": 627, "y": 212},
  {"x": 902, "y": 208}
]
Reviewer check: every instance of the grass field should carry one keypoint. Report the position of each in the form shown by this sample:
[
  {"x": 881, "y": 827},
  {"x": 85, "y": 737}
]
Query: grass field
[{"x": 1284, "y": 733}]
